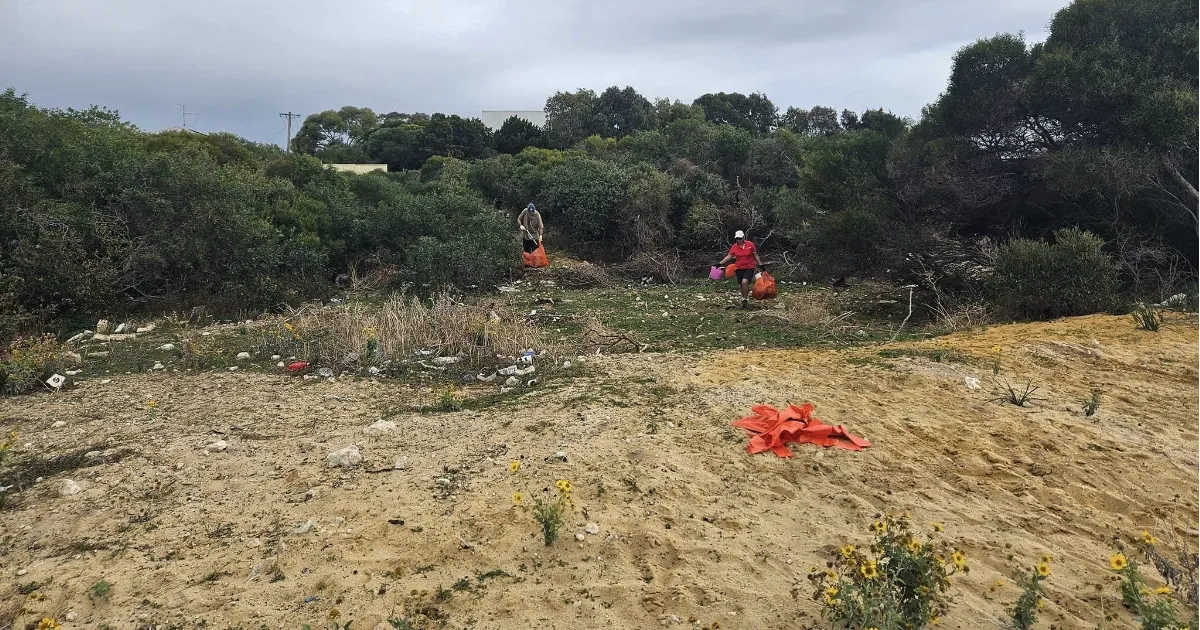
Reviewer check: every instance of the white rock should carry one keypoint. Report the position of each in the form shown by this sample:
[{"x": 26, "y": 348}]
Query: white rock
[
  {"x": 70, "y": 616},
  {"x": 158, "y": 366},
  {"x": 102, "y": 327},
  {"x": 579, "y": 537},
  {"x": 512, "y": 382},
  {"x": 505, "y": 390},
  {"x": 69, "y": 488},
  {"x": 972, "y": 383},
  {"x": 22, "y": 571},
  {"x": 58, "y": 424},
  {"x": 566, "y": 364},
  {"x": 145, "y": 329},
  {"x": 280, "y": 364},
  {"x": 401, "y": 463},
  {"x": 344, "y": 457},
  {"x": 446, "y": 360},
  {"x": 74, "y": 372},
  {"x": 205, "y": 334},
  {"x": 325, "y": 372},
  {"x": 105, "y": 381},
  {"x": 233, "y": 368},
  {"x": 243, "y": 356},
  {"x": 167, "y": 347},
  {"x": 592, "y": 528},
  {"x": 373, "y": 371},
  {"x": 275, "y": 357},
  {"x": 79, "y": 336},
  {"x": 217, "y": 447},
  {"x": 306, "y": 527},
  {"x": 379, "y": 427},
  {"x": 560, "y": 456}
]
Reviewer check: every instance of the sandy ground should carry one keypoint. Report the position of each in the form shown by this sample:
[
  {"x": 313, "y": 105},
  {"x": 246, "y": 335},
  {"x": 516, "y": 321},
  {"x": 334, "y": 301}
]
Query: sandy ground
[{"x": 692, "y": 530}]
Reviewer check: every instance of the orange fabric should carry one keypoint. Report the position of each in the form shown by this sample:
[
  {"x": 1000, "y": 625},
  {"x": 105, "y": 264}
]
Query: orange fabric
[
  {"x": 764, "y": 287},
  {"x": 537, "y": 258},
  {"x": 775, "y": 429},
  {"x": 731, "y": 270}
]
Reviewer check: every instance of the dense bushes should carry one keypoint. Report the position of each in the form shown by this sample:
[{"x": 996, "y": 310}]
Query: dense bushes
[
  {"x": 1071, "y": 276},
  {"x": 97, "y": 216}
]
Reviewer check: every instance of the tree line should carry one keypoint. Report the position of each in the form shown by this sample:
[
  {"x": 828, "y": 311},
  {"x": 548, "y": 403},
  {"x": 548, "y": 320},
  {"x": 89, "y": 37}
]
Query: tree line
[{"x": 1075, "y": 153}]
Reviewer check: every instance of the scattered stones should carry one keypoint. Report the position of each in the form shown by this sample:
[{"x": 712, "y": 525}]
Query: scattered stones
[
  {"x": 972, "y": 383},
  {"x": 579, "y": 537},
  {"x": 58, "y": 424},
  {"x": 347, "y": 457},
  {"x": 380, "y": 427},
  {"x": 592, "y": 528},
  {"x": 158, "y": 366},
  {"x": 325, "y": 372},
  {"x": 217, "y": 447},
  {"x": 401, "y": 463},
  {"x": 233, "y": 368},
  {"x": 69, "y": 488},
  {"x": 243, "y": 356}
]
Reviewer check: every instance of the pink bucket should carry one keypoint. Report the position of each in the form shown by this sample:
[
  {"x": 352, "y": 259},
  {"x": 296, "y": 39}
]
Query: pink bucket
[{"x": 716, "y": 273}]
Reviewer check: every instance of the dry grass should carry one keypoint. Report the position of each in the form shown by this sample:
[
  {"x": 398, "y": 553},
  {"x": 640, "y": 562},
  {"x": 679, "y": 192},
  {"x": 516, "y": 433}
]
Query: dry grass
[
  {"x": 365, "y": 335},
  {"x": 573, "y": 274},
  {"x": 805, "y": 309},
  {"x": 666, "y": 266}
]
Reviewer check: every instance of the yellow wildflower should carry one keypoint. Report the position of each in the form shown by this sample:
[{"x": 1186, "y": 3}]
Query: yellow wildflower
[
  {"x": 879, "y": 527},
  {"x": 831, "y": 576},
  {"x": 514, "y": 466},
  {"x": 996, "y": 349},
  {"x": 517, "y": 498},
  {"x": 959, "y": 559},
  {"x": 937, "y": 527},
  {"x": 1047, "y": 558},
  {"x": 1149, "y": 539},
  {"x": 369, "y": 332},
  {"x": 151, "y": 404},
  {"x": 1162, "y": 590},
  {"x": 847, "y": 551},
  {"x": 48, "y": 623},
  {"x": 1118, "y": 561},
  {"x": 564, "y": 486},
  {"x": 914, "y": 546},
  {"x": 1043, "y": 569},
  {"x": 868, "y": 570},
  {"x": 830, "y": 593},
  {"x": 334, "y": 613}
]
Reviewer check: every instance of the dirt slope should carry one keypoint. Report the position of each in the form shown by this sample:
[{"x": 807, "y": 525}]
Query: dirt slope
[{"x": 691, "y": 527}]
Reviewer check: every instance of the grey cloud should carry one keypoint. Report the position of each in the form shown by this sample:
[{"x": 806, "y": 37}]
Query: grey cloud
[{"x": 239, "y": 63}]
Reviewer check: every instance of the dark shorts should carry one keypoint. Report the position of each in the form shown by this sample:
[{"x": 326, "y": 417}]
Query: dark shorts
[
  {"x": 530, "y": 246},
  {"x": 745, "y": 275}
]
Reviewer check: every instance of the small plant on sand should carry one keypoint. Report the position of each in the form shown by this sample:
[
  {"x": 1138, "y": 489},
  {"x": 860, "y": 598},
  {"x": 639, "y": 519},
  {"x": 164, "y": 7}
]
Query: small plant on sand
[
  {"x": 548, "y": 512},
  {"x": 1147, "y": 317},
  {"x": 48, "y": 623},
  {"x": 1092, "y": 404},
  {"x": 28, "y": 362},
  {"x": 1013, "y": 395},
  {"x": 449, "y": 401},
  {"x": 1024, "y": 611},
  {"x": 996, "y": 350},
  {"x": 901, "y": 581},
  {"x": 99, "y": 590}
]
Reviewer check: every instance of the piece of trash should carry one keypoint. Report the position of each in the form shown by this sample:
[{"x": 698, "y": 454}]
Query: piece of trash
[
  {"x": 102, "y": 327},
  {"x": 280, "y": 364},
  {"x": 560, "y": 456},
  {"x": 505, "y": 390},
  {"x": 233, "y": 368},
  {"x": 395, "y": 521},
  {"x": 121, "y": 328},
  {"x": 275, "y": 357},
  {"x": 512, "y": 382},
  {"x": 243, "y": 356},
  {"x": 566, "y": 365},
  {"x": 401, "y": 463},
  {"x": 373, "y": 371},
  {"x": 73, "y": 372},
  {"x": 69, "y": 487},
  {"x": 446, "y": 360},
  {"x": 508, "y": 371},
  {"x": 592, "y": 528},
  {"x": 305, "y": 527},
  {"x": 297, "y": 366},
  {"x": 525, "y": 371},
  {"x": 423, "y": 353},
  {"x": 145, "y": 329},
  {"x": 79, "y": 336},
  {"x": 486, "y": 379},
  {"x": 775, "y": 429},
  {"x": 217, "y": 447},
  {"x": 325, "y": 372},
  {"x": 56, "y": 381},
  {"x": 158, "y": 366},
  {"x": 531, "y": 382},
  {"x": 167, "y": 347},
  {"x": 972, "y": 383}
]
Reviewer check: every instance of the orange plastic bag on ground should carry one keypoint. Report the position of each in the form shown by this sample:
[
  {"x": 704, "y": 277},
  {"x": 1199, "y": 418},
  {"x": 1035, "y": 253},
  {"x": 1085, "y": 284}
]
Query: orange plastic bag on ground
[
  {"x": 773, "y": 430},
  {"x": 537, "y": 258},
  {"x": 764, "y": 287},
  {"x": 731, "y": 270}
]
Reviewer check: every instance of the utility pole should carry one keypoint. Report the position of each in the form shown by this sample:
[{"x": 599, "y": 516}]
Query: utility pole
[
  {"x": 185, "y": 115},
  {"x": 289, "y": 116}
]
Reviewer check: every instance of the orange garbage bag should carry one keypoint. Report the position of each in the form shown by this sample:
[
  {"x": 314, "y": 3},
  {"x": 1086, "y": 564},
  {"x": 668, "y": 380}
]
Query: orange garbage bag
[
  {"x": 764, "y": 287},
  {"x": 537, "y": 258},
  {"x": 731, "y": 270},
  {"x": 773, "y": 430}
]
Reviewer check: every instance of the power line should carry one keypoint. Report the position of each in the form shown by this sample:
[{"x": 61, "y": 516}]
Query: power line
[{"x": 289, "y": 116}]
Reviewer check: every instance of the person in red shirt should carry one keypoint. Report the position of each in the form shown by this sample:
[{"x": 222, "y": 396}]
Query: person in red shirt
[{"x": 746, "y": 255}]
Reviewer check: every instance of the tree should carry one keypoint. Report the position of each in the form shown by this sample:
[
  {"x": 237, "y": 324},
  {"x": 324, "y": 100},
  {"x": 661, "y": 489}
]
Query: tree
[
  {"x": 621, "y": 112},
  {"x": 755, "y": 113},
  {"x": 822, "y": 121},
  {"x": 516, "y": 134},
  {"x": 571, "y": 117},
  {"x": 402, "y": 147},
  {"x": 346, "y": 126}
]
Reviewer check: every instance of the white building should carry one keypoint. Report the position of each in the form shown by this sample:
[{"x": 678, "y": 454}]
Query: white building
[{"x": 495, "y": 119}]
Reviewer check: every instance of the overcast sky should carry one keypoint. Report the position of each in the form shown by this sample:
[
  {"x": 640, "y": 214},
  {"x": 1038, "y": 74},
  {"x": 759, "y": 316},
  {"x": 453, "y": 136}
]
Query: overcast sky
[{"x": 238, "y": 63}]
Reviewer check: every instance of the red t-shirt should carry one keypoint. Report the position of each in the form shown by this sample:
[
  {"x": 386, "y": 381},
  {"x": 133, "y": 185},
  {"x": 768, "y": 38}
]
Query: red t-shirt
[{"x": 744, "y": 254}]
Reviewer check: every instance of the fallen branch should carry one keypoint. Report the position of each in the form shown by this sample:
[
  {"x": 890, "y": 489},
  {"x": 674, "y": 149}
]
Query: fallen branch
[{"x": 910, "y": 296}]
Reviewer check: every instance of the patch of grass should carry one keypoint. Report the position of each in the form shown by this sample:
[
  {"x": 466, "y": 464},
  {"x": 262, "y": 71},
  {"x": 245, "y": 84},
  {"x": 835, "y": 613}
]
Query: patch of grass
[
  {"x": 442, "y": 594},
  {"x": 1147, "y": 317},
  {"x": 424, "y": 569},
  {"x": 937, "y": 355},
  {"x": 25, "y": 470},
  {"x": 463, "y": 584},
  {"x": 494, "y": 573},
  {"x": 28, "y": 587},
  {"x": 213, "y": 577},
  {"x": 222, "y": 531},
  {"x": 1015, "y": 395},
  {"x": 1092, "y": 404}
]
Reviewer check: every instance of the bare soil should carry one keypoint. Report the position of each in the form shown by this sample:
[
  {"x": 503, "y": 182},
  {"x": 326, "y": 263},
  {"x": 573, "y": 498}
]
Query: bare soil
[{"x": 692, "y": 529}]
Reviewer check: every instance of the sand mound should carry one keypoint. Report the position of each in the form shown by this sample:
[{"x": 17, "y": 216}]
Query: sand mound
[{"x": 691, "y": 529}]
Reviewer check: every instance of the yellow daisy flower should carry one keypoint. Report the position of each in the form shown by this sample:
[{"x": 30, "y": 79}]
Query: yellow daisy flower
[
  {"x": 914, "y": 546},
  {"x": 937, "y": 527},
  {"x": 1043, "y": 569},
  {"x": 847, "y": 551},
  {"x": 1149, "y": 539},
  {"x": 514, "y": 466},
  {"x": 879, "y": 527},
  {"x": 1118, "y": 561},
  {"x": 959, "y": 559},
  {"x": 564, "y": 486},
  {"x": 517, "y": 498},
  {"x": 868, "y": 570}
]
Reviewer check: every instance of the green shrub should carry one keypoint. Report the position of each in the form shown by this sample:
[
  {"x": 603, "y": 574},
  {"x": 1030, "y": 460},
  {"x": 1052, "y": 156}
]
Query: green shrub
[
  {"x": 1039, "y": 280},
  {"x": 27, "y": 362}
]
